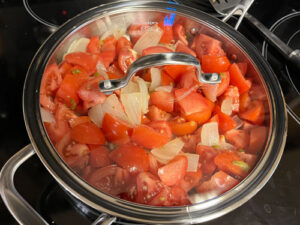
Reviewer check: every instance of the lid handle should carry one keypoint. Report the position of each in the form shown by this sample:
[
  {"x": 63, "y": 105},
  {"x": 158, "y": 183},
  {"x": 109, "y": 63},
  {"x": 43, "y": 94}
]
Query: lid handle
[{"x": 160, "y": 59}]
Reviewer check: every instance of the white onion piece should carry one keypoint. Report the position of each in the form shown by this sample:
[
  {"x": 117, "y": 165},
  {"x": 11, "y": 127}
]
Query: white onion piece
[
  {"x": 78, "y": 45},
  {"x": 226, "y": 106},
  {"x": 144, "y": 94},
  {"x": 167, "y": 152},
  {"x": 210, "y": 134},
  {"x": 150, "y": 38},
  {"x": 155, "y": 78},
  {"x": 210, "y": 91},
  {"x": 224, "y": 145},
  {"x": 106, "y": 35},
  {"x": 47, "y": 116},
  {"x": 131, "y": 87},
  {"x": 111, "y": 106},
  {"x": 239, "y": 123},
  {"x": 102, "y": 70},
  {"x": 164, "y": 88},
  {"x": 193, "y": 161},
  {"x": 132, "y": 103}
]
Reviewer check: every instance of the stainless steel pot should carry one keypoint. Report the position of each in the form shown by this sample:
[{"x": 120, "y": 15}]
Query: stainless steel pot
[{"x": 87, "y": 24}]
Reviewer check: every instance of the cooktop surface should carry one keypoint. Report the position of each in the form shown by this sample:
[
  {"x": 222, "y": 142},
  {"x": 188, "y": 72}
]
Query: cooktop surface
[{"x": 20, "y": 37}]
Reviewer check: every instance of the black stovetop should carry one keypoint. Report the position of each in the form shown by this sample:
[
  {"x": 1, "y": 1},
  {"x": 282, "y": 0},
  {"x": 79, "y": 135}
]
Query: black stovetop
[{"x": 20, "y": 37}]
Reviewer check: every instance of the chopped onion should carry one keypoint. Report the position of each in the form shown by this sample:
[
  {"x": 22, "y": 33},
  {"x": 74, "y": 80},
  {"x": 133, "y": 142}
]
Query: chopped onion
[
  {"x": 150, "y": 38},
  {"x": 102, "y": 70},
  {"x": 167, "y": 152},
  {"x": 239, "y": 123},
  {"x": 78, "y": 45},
  {"x": 47, "y": 116},
  {"x": 131, "y": 87},
  {"x": 210, "y": 134},
  {"x": 111, "y": 106},
  {"x": 210, "y": 91},
  {"x": 155, "y": 78},
  {"x": 106, "y": 35},
  {"x": 224, "y": 145},
  {"x": 193, "y": 160},
  {"x": 164, "y": 88},
  {"x": 144, "y": 94},
  {"x": 226, "y": 106},
  {"x": 132, "y": 103}
]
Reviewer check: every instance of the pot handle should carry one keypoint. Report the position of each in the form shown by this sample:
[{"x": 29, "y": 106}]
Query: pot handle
[
  {"x": 16, "y": 204},
  {"x": 159, "y": 59}
]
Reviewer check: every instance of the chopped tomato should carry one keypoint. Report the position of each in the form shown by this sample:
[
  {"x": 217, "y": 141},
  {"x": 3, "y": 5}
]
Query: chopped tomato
[
  {"x": 163, "y": 100},
  {"x": 90, "y": 93},
  {"x": 99, "y": 157},
  {"x": 165, "y": 79},
  {"x": 179, "y": 197},
  {"x": 180, "y": 127},
  {"x": 239, "y": 138},
  {"x": 206, "y": 159},
  {"x": 230, "y": 162},
  {"x": 162, "y": 198},
  {"x": 156, "y": 114},
  {"x": 155, "y": 49},
  {"x": 110, "y": 179},
  {"x": 225, "y": 79},
  {"x": 123, "y": 42},
  {"x": 131, "y": 157},
  {"x": 200, "y": 117},
  {"x": 243, "y": 66},
  {"x": 257, "y": 92},
  {"x": 188, "y": 80},
  {"x": 190, "y": 180},
  {"x": 57, "y": 130},
  {"x": 77, "y": 163},
  {"x": 214, "y": 64},
  {"x": 78, "y": 120},
  {"x": 233, "y": 93},
  {"x": 85, "y": 60},
  {"x": 255, "y": 113},
  {"x": 167, "y": 35},
  {"x": 190, "y": 102},
  {"x": 191, "y": 141},
  {"x": 173, "y": 172},
  {"x": 226, "y": 123},
  {"x": 64, "y": 67},
  {"x": 206, "y": 45},
  {"x": 181, "y": 47},
  {"x": 148, "y": 186},
  {"x": 115, "y": 130},
  {"x": 161, "y": 127},
  {"x": 114, "y": 69},
  {"x": 258, "y": 137},
  {"x": 88, "y": 133},
  {"x": 238, "y": 79},
  {"x": 218, "y": 183},
  {"x": 245, "y": 101},
  {"x": 51, "y": 79},
  {"x": 94, "y": 45},
  {"x": 140, "y": 133},
  {"x": 174, "y": 71},
  {"x": 135, "y": 31},
  {"x": 125, "y": 58},
  {"x": 179, "y": 33},
  {"x": 153, "y": 164}
]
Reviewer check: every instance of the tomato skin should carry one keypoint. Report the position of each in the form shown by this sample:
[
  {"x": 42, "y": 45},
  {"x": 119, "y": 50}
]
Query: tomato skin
[
  {"x": 214, "y": 64},
  {"x": 115, "y": 130},
  {"x": 110, "y": 179},
  {"x": 224, "y": 162},
  {"x": 179, "y": 33},
  {"x": 257, "y": 139},
  {"x": 165, "y": 79},
  {"x": 206, "y": 159},
  {"x": 190, "y": 103},
  {"x": 156, "y": 114},
  {"x": 141, "y": 132},
  {"x": 78, "y": 120},
  {"x": 123, "y": 42},
  {"x": 173, "y": 172},
  {"x": 155, "y": 49},
  {"x": 174, "y": 71},
  {"x": 225, "y": 80},
  {"x": 85, "y": 60},
  {"x": 125, "y": 58},
  {"x": 163, "y": 100},
  {"x": 182, "y": 128},
  {"x": 255, "y": 113},
  {"x": 131, "y": 157},
  {"x": 94, "y": 45},
  {"x": 167, "y": 36},
  {"x": 237, "y": 79},
  {"x": 87, "y": 133},
  {"x": 199, "y": 117},
  {"x": 218, "y": 183},
  {"x": 226, "y": 123},
  {"x": 99, "y": 157}
]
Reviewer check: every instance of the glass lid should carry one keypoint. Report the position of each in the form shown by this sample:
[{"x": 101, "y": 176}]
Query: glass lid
[{"x": 171, "y": 136}]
